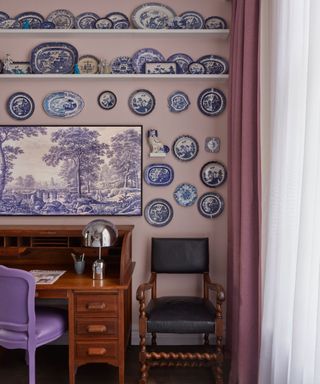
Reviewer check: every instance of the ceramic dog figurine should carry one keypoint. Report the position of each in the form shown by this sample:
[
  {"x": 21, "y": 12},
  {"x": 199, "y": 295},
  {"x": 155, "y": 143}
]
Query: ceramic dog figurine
[{"x": 157, "y": 148}]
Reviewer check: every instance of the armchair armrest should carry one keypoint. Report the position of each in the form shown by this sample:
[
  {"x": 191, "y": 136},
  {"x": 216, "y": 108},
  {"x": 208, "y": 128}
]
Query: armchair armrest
[
  {"x": 146, "y": 287},
  {"x": 218, "y": 288}
]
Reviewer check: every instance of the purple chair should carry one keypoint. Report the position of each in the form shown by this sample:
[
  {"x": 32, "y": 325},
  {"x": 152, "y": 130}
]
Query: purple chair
[{"x": 22, "y": 325}]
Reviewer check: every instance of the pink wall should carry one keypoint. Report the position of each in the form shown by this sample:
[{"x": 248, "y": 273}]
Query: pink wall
[{"x": 186, "y": 221}]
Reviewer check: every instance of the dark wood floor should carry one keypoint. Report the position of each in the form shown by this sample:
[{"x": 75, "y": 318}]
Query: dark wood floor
[{"x": 52, "y": 368}]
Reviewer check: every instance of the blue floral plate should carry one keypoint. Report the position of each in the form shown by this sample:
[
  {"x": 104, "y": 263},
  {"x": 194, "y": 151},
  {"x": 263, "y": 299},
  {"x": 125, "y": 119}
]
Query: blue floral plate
[
  {"x": 196, "y": 68},
  {"x": 183, "y": 60},
  {"x": 178, "y": 101},
  {"x": 63, "y": 104},
  {"x": 158, "y": 212},
  {"x": 192, "y": 20},
  {"x": 185, "y": 148},
  {"x": 211, "y": 205},
  {"x": 62, "y": 18},
  {"x": 212, "y": 102},
  {"x": 158, "y": 175},
  {"x": 213, "y": 174},
  {"x": 142, "y": 102},
  {"x": 20, "y": 106},
  {"x": 152, "y": 16},
  {"x": 146, "y": 55},
  {"x": 86, "y": 20},
  {"x": 185, "y": 194}
]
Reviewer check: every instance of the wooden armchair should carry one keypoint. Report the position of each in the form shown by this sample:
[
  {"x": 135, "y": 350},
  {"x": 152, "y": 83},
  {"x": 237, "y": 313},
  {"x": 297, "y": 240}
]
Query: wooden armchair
[{"x": 180, "y": 314}]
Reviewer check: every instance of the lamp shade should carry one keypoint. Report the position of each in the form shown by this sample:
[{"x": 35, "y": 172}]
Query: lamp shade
[{"x": 100, "y": 233}]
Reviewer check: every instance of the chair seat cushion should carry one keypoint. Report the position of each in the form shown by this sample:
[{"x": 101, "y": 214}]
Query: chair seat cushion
[{"x": 180, "y": 314}]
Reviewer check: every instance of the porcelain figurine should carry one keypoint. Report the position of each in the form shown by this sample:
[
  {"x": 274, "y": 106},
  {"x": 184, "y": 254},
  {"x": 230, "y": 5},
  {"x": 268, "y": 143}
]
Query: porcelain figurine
[
  {"x": 157, "y": 148},
  {"x": 7, "y": 64}
]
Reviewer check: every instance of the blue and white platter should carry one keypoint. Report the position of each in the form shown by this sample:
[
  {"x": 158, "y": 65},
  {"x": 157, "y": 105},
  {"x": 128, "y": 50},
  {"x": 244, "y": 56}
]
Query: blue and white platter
[
  {"x": 211, "y": 102},
  {"x": 196, "y": 68},
  {"x": 117, "y": 16},
  {"x": 121, "y": 24},
  {"x": 215, "y": 65},
  {"x": 178, "y": 101},
  {"x": 53, "y": 58},
  {"x": 211, "y": 205},
  {"x": 63, "y": 104},
  {"x": 158, "y": 175},
  {"x": 183, "y": 60},
  {"x": 86, "y": 20},
  {"x": 122, "y": 65},
  {"x": 103, "y": 23},
  {"x": 62, "y": 18},
  {"x": 215, "y": 22},
  {"x": 4, "y": 16},
  {"x": 152, "y": 16},
  {"x": 10, "y": 24},
  {"x": 192, "y": 20},
  {"x": 34, "y": 19},
  {"x": 107, "y": 100},
  {"x": 185, "y": 148},
  {"x": 20, "y": 106},
  {"x": 142, "y": 102},
  {"x": 213, "y": 174},
  {"x": 47, "y": 25},
  {"x": 146, "y": 55},
  {"x": 185, "y": 194},
  {"x": 158, "y": 212}
]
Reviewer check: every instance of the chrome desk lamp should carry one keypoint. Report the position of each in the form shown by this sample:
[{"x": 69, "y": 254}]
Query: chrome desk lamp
[{"x": 98, "y": 234}]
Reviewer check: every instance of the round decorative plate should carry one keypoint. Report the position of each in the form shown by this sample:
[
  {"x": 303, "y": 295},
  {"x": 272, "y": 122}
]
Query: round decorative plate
[
  {"x": 152, "y": 16},
  {"x": 185, "y": 194},
  {"x": 158, "y": 212},
  {"x": 121, "y": 24},
  {"x": 182, "y": 61},
  {"x": 215, "y": 22},
  {"x": 178, "y": 101},
  {"x": 142, "y": 102},
  {"x": 146, "y": 55},
  {"x": 158, "y": 175},
  {"x": 192, "y": 20},
  {"x": 4, "y": 16},
  {"x": 117, "y": 16},
  {"x": 212, "y": 144},
  {"x": 10, "y": 24},
  {"x": 47, "y": 25},
  {"x": 20, "y": 106},
  {"x": 122, "y": 65},
  {"x": 196, "y": 68},
  {"x": 34, "y": 19},
  {"x": 211, "y": 205},
  {"x": 212, "y": 102},
  {"x": 62, "y": 18},
  {"x": 107, "y": 100},
  {"x": 176, "y": 23},
  {"x": 63, "y": 104},
  {"x": 185, "y": 148},
  {"x": 88, "y": 64},
  {"x": 103, "y": 23},
  {"x": 215, "y": 65},
  {"x": 213, "y": 174},
  {"x": 86, "y": 20}
]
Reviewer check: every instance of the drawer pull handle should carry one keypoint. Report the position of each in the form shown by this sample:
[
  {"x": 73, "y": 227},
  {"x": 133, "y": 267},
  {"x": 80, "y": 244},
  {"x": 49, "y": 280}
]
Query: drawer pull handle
[
  {"x": 96, "y": 351},
  {"x": 96, "y": 306},
  {"x": 97, "y": 329}
]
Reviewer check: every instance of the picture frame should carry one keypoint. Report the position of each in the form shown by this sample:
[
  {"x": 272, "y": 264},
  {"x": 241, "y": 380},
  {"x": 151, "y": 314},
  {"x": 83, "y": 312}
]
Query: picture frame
[
  {"x": 78, "y": 170},
  {"x": 166, "y": 68},
  {"x": 18, "y": 68}
]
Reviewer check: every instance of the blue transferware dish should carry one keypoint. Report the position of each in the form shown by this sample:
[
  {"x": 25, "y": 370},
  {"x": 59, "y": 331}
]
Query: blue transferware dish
[
  {"x": 183, "y": 60},
  {"x": 117, "y": 16},
  {"x": 212, "y": 144},
  {"x": 122, "y": 65},
  {"x": 215, "y": 65},
  {"x": 211, "y": 205},
  {"x": 192, "y": 20},
  {"x": 34, "y": 19},
  {"x": 152, "y": 16},
  {"x": 121, "y": 24},
  {"x": 53, "y": 58},
  {"x": 158, "y": 212},
  {"x": 10, "y": 24},
  {"x": 63, "y": 104},
  {"x": 213, "y": 174},
  {"x": 142, "y": 102},
  {"x": 215, "y": 22},
  {"x": 178, "y": 101},
  {"x": 185, "y": 194},
  {"x": 212, "y": 102},
  {"x": 176, "y": 23},
  {"x": 20, "y": 106},
  {"x": 107, "y": 100},
  {"x": 103, "y": 23},
  {"x": 47, "y": 25},
  {"x": 86, "y": 20},
  {"x": 158, "y": 175},
  {"x": 146, "y": 55},
  {"x": 4, "y": 16},
  {"x": 196, "y": 69},
  {"x": 185, "y": 148},
  {"x": 62, "y": 18}
]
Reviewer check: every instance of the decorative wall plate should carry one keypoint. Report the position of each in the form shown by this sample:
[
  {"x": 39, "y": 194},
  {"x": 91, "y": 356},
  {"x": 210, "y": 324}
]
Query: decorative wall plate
[
  {"x": 182, "y": 61},
  {"x": 211, "y": 205},
  {"x": 18, "y": 68},
  {"x": 117, "y": 16},
  {"x": 212, "y": 144},
  {"x": 103, "y": 23},
  {"x": 176, "y": 23},
  {"x": 152, "y": 16},
  {"x": 160, "y": 68},
  {"x": 63, "y": 104},
  {"x": 107, "y": 100},
  {"x": 53, "y": 58},
  {"x": 34, "y": 19},
  {"x": 185, "y": 148},
  {"x": 196, "y": 68},
  {"x": 146, "y": 55},
  {"x": 20, "y": 106},
  {"x": 86, "y": 20},
  {"x": 123, "y": 65},
  {"x": 121, "y": 24},
  {"x": 158, "y": 212},
  {"x": 178, "y": 101},
  {"x": 192, "y": 20},
  {"x": 158, "y": 175},
  {"x": 213, "y": 174},
  {"x": 212, "y": 102},
  {"x": 214, "y": 65},
  {"x": 62, "y": 18},
  {"x": 142, "y": 102},
  {"x": 4, "y": 16},
  {"x": 47, "y": 25},
  {"x": 88, "y": 64},
  {"x": 185, "y": 194},
  {"x": 215, "y": 22},
  {"x": 10, "y": 24}
]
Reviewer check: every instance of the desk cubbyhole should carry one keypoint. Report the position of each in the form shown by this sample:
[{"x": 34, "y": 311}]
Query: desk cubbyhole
[
  {"x": 24, "y": 241},
  {"x": 11, "y": 241},
  {"x": 75, "y": 242}
]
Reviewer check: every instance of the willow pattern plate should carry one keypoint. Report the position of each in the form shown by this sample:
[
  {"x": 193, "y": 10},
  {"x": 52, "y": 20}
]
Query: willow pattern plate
[
  {"x": 212, "y": 102},
  {"x": 158, "y": 175},
  {"x": 215, "y": 22},
  {"x": 34, "y": 19},
  {"x": 158, "y": 212},
  {"x": 107, "y": 100},
  {"x": 183, "y": 61},
  {"x": 146, "y": 55},
  {"x": 86, "y": 20},
  {"x": 63, "y": 104},
  {"x": 211, "y": 205},
  {"x": 185, "y": 148},
  {"x": 122, "y": 64},
  {"x": 215, "y": 65},
  {"x": 62, "y": 18},
  {"x": 20, "y": 106},
  {"x": 103, "y": 23},
  {"x": 192, "y": 20},
  {"x": 3, "y": 16},
  {"x": 152, "y": 16},
  {"x": 178, "y": 102},
  {"x": 142, "y": 102},
  {"x": 213, "y": 174}
]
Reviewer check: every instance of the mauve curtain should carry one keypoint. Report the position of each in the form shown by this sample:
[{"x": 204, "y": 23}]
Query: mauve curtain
[{"x": 244, "y": 195}]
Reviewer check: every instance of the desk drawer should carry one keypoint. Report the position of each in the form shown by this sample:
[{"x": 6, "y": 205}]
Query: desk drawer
[
  {"x": 97, "y": 303},
  {"x": 97, "y": 327},
  {"x": 97, "y": 351}
]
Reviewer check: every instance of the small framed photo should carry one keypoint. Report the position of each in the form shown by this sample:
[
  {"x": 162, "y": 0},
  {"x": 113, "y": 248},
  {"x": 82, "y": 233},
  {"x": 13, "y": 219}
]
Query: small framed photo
[
  {"x": 18, "y": 68},
  {"x": 169, "y": 68}
]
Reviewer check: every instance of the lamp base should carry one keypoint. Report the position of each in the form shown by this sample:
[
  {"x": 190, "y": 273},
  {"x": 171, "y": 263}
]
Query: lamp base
[{"x": 98, "y": 269}]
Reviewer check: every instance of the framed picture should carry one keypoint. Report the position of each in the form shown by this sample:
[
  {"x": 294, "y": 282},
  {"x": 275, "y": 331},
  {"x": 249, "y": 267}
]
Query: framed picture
[
  {"x": 161, "y": 68},
  {"x": 18, "y": 68},
  {"x": 71, "y": 170}
]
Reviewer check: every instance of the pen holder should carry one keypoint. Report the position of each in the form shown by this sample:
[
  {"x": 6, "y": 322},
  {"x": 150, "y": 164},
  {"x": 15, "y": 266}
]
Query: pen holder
[{"x": 79, "y": 266}]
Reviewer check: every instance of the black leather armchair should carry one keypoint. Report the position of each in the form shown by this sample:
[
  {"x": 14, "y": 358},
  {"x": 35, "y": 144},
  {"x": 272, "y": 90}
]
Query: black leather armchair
[{"x": 180, "y": 314}]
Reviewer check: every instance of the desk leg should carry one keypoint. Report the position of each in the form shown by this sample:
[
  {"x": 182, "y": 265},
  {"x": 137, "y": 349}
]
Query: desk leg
[
  {"x": 121, "y": 373},
  {"x": 72, "y": 368}
]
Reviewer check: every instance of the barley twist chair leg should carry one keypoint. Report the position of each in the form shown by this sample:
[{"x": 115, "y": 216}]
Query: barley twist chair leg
[
  {"x": 144, "y": 368},
  {"x": 154, "y": 339}
]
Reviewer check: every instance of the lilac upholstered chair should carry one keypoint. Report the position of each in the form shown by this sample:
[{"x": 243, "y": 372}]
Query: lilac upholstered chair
[{"x": 22, "y": 325}]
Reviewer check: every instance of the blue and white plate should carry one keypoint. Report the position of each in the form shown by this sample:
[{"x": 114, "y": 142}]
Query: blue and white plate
[
  {"x": 158, "y": 212},
  {"x": 107, "y": 100},
  {"x": 212, "y": 102},
  {"x": 86, "y": 20},
  {"x": 63, "y": 104},
  {"x": 53, "y": 58},
  {"x": 196, "y": 68},
  {"x": 178, "y": 101},
  {"x": 10, "y": 24},
  {"x": 103, "y": 23},
  {"x": 152, "y": 16},
  {"x": 215, "y": 65},
  {"x": 176, "y": 23},
  {"x": 122, "y": 65},
  {"x": 158, "y": 175},
  {"x": 185, "y": 194},
  {"x": 146, "y": 55},
  {"x": 47, "y": 25},
  {"x": 182, "y": 61},
  {"x": 34, "y": 19},
  {"x": 215, "y": 22},
  {"x": 213, "y": 174},
  {"x": 4, "y": 16},
  {"x": 142, "y": 102},
  {"x": 20, "y": 106},
  {"x": 121, "y": 24},
  {"x": 192, "y": 20},
  {"x": 117, "y": 16},
  {"x": 62, "y": 18},
  {"x": 212, "y": 144},
  {"x": 211, "y": 205},
  {"x": 185, "y": 148}
]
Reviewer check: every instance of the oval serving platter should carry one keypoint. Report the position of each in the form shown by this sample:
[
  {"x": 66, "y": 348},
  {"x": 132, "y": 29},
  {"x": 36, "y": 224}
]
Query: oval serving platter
[
  {"x": 53, "y": 58},
  {"x": 158, "y": 212},
  {"x": 211, "y": 205},
  {"x": 62, "y": 18},
  {"x": 212, "y": 102},
  {"x": 158, "y": 175},
  {"x": 215, "y": 65},
  {"x": 185, "y": 148},
  {"x": 152, "y": 16},
  {"x": 86, "y": 20},
  {"x": 213, "y": 174},
  {"x": 63, "y": 104},
  {"x": 20, "y": 106},
  {"x": 185, "y": 194}
]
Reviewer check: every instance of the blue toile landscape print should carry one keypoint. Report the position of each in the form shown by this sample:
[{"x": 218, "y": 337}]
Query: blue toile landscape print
[{"x": 70, "y": 170}]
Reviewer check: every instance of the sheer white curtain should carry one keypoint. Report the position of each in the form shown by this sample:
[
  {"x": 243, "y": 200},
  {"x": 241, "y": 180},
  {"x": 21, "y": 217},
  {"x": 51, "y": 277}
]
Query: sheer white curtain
[{"x": 290, "y": 92}]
